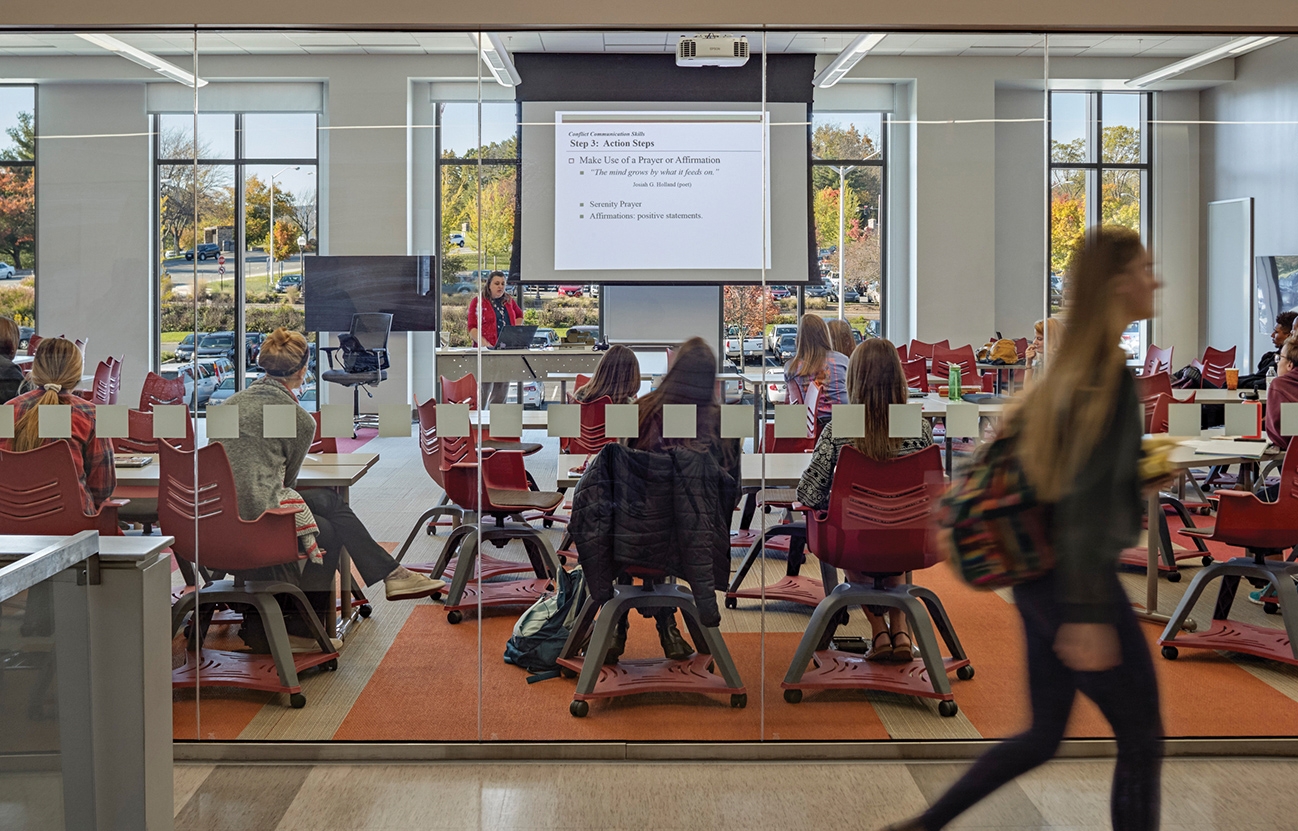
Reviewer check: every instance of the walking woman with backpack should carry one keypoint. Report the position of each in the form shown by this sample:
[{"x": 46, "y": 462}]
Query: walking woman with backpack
[{"x": 1077, "y": 435}]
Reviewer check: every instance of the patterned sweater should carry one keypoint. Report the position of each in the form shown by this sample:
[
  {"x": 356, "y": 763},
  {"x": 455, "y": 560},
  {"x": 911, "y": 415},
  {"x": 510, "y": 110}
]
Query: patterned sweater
[{"x": 818, "y": 478}]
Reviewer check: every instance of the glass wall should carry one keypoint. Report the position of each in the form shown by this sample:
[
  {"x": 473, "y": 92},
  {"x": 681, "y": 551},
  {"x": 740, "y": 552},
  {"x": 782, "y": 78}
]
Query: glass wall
[{"x": 705, "y": 224}]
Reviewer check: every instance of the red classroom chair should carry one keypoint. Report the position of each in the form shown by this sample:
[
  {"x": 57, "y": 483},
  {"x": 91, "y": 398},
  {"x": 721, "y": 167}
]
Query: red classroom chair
[
  {"x": 41, "y": 494},
  {"x": 1214, "y": 365},
  {"x": 199, "y": 508},
  {"x": 877, "y": 526},
  {"x": 920, "y": 349},
  {"x": 963, "y": 356},
  {"x": 1157, "y": 360},
  {"x": 916, "y": 370},
  {"x": 158, "y": 390}
]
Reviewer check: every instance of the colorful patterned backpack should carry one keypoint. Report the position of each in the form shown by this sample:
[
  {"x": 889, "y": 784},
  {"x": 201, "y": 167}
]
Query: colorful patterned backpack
[{"x": 990, "y": 523}]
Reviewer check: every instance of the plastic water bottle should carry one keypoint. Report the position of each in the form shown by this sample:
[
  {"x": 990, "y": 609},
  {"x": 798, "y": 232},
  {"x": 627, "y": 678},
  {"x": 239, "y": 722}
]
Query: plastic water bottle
[
  {"x": 953, "y": 382},
  {"x": 1270, "y": 376}
]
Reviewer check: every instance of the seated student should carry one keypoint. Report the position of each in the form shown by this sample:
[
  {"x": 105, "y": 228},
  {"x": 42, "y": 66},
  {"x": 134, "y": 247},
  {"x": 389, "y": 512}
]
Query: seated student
[
  {"x": 840, "y": 337},
  {"x": 816, "y": 362},
  {"x": 265, "y": 467},
  {"x": 876, "y": 379},
  {"x": 692, "y": 379},
  {"x": 1284, "y": 390},
  {"x": 56, "y": 370},
  {"x": 1283, "y": 329},
  {"x": 1035, "y": 355},
  {"x": 617, "y": 376},
  {"x": 11, "y": 377}
]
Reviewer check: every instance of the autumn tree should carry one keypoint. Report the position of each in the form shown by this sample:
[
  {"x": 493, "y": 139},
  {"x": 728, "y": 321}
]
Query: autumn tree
[
  {"x": 748, "y": 309},
  {"x": 23, "y": 136},
  {"x": 186, "y": 189},
  {"x": 17, "y": 212},
  {"x": 825, "y": 209},
  {"x": 256, "y": 210},
  {"x": 495, "y": 235},
  {"x": 833, "y": 142}
]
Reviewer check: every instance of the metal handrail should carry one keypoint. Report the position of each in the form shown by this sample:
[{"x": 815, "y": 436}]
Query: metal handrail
[{"x": 41, "y": 565}]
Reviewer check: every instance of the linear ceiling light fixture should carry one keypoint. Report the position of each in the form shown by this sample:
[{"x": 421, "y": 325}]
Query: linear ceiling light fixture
[
  {"x": 158, "y": 65},
  {"x": 497, "y": 59},
  {"x": 846, "y": 59},
  {"x": 1238, "y": 46}
]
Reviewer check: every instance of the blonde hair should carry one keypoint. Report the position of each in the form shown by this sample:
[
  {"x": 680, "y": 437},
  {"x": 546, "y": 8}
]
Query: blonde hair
[
  {"x": 283, "y": 353},
  {"x": 876, "y": 379},
  {"x": 840, "y": 336},
  {"x": 9, "y": 337},
  {"x": 617, "y": 376},
  {"x": 813, "y": 347},
  {"x": 56, "y": 367},
  {"x": 1061, "y": 419}
]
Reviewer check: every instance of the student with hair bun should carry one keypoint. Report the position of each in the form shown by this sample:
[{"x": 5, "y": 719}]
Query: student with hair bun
[{"x": 264, "y": 467}]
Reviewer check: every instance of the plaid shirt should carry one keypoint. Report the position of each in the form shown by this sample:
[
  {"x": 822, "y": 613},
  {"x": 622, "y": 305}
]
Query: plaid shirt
[{"x": 92, "y": 456}]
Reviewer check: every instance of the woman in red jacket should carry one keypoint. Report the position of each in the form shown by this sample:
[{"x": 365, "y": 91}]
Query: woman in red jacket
[{"x": 488, "y": 314}]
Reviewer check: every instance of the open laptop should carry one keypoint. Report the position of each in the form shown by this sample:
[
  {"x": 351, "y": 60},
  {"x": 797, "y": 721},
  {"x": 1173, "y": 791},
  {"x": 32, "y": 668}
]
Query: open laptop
[{"x": 515, "y": 337}]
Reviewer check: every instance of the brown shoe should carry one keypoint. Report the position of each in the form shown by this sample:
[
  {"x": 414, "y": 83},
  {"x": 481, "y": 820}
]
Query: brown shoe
[
  {"x": 902, "y": 653},
  {"x": 880, "y": 647}
]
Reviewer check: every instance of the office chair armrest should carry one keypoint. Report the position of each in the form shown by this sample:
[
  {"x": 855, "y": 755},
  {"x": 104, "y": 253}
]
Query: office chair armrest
[{"x": 329, "y": 353}]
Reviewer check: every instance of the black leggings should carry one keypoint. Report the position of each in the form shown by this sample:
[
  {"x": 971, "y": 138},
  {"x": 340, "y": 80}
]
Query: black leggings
[
  {"x": 1127, "y": 695},
  {"x": 339, "y": 526}
]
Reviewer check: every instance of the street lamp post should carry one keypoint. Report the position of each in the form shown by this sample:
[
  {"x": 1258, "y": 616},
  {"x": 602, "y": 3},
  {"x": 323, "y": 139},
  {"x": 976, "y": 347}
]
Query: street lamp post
[{"x": 270, "y": 270}]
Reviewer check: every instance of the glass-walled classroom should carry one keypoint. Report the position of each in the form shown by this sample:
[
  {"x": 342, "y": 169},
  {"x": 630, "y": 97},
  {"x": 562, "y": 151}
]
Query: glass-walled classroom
[{"x": 546, "y": 329}]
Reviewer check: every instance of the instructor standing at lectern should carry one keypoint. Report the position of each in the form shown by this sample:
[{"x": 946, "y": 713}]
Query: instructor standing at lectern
[{"x": 488, "y": 313}]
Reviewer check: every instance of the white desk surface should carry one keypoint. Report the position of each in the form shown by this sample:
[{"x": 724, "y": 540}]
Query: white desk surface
[
  {"x": 1215, "y": 396},
  {"x": 130, "y": 548},
  {"x": 324, "y": 470}
]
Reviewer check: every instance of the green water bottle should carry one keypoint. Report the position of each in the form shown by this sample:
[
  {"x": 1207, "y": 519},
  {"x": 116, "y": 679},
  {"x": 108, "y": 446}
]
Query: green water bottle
[{"x": 953, "y": 382}]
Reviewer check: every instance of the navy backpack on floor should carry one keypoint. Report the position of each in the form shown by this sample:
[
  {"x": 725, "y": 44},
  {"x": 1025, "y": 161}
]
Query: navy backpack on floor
[{"x": 543, "y": 629}]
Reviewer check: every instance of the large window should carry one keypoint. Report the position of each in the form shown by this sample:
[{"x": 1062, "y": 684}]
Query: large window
[
  {"x": 848, "y": 181},
  {"x": 18, "y": 203},
  {"x": 1099, "y": 174},
  {"x": 237, "y": 211}
]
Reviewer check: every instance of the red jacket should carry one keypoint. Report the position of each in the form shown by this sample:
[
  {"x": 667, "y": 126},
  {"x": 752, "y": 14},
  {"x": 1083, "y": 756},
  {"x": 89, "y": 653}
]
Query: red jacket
[{"x": 487, "y": 337}]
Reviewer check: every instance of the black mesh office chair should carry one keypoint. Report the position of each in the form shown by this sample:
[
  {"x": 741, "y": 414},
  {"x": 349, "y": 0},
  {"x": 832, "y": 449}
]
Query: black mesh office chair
[{"x": 364, "y": 360}]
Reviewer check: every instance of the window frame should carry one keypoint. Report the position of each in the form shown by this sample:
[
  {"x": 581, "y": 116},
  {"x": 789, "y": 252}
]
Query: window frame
[{"x": 36, "y": 213}]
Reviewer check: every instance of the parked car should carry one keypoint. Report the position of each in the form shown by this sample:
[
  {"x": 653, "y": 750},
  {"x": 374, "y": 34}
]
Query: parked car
[
  {"x": 777, "y": 392},
  {"x": 778, "y": 331},
  {"x": 818, "y": 290},
  {"x": 288, "y": 281},
  {"x": 25, "y": 336},
  {"x": 779, "y": 292},
  {"x": 219, "y": 367},
  {"x": 849, "y": 295},
  {"x": 7, "y": 272},
  {"x": 570, "y": 291},
  {"x": 787, "y": 346},
  {"x": 747, "y": 348},
  {"x": 459, "y": 287},
  {"x": 578, "y": 332},
  {"x": 544, "y": 339},
  {"x": 205, "y": 251},
  {"x": 307, "y": 398},
  {"x": 217, "y": 345},
  {"x": 225, "y": 389},
  {"x": 456, "y": 240},
  {"x": 185, "y": 351},
  {"x": 532, "y": 395},
  {"x": 200, "y": 379}
]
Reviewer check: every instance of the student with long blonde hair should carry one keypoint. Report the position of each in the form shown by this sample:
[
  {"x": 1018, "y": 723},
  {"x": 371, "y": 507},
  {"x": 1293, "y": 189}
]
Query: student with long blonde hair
[
  {"x": 816, "y": 363},
  {"x": 875, "y": 378},
  {"x": 617, "y": 376},
  {"x": 56, "y": 371},
  {"x": 1079, "y": 442}
]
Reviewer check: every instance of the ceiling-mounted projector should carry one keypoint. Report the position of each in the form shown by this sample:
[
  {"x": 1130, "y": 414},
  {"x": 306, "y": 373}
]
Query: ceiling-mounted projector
[{"x": 712, "y": 50}]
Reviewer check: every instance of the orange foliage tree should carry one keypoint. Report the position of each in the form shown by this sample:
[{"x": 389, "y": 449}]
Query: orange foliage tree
[{"x": 749, "y": 308}]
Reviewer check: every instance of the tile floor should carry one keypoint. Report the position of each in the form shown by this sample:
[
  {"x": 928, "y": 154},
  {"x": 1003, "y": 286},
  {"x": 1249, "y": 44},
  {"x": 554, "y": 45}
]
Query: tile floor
[{"x": 1198, "y": 795}]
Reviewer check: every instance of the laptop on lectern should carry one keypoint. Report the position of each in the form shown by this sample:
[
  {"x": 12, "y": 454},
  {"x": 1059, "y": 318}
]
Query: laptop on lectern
[{"x": 515, "y": 337}]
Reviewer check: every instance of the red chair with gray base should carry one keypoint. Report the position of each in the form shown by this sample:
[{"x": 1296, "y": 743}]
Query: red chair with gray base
[
  {"x": 199, "y": 508},
  {"x": 877, "y": 525},
  {"x": 1265, "y": 530},
  {"x": 40, "y": 494}
]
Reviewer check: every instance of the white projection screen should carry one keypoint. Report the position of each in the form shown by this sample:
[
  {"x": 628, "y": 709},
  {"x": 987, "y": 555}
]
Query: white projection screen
[{"x": 630, "y": 213}]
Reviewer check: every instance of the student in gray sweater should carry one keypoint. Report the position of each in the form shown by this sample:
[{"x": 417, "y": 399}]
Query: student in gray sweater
[{"x": 264, "y": 466}]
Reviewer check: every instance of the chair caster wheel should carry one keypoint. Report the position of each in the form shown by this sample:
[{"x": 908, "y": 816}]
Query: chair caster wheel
[
  {"x": 732, "y": 603},
  {"x": 366, "y": 610},
  {"x": 739, "y": 700},
  {"x": 947, "y": 709},
  {"x": 567, "y": 673},
  {"x": 965, "y": 672},
  {"x": 454, "y": 617},
  {"x": 1174, "y": 577},
  {"x": 1170, "y": 653},
  {"x": 1207, "y": 561},
  {"x": 1271, "y": 608},
  {"x": 297, "y": 701},
  {"x": 330, "y": 665},
  {"x": 793, "y": 696},
  {"x": 435, "y": 596},
  {"x": 579, "y": 709},
  {"x": 547, "y": 523}
]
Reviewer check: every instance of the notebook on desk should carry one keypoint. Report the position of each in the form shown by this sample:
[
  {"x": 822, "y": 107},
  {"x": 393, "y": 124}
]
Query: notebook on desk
[{"x": 131, "y": 460}]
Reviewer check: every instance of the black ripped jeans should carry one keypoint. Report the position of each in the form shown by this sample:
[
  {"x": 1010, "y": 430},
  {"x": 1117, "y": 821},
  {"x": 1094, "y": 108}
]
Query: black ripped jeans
[{"x": 1127, "y": 695}]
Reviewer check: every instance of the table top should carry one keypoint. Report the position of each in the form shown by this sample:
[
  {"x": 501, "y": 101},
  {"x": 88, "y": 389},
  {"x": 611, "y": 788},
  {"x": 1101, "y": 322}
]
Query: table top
[
  {"x": 644, "y": 376},
  {"x": 125, "y": 549},
  {"x": 935, "y": 406},
  {"x": 321, "y": 470},
  {"x": 532, "y": 419},
  {"x": 1187, "y": 455},
  {"x": 775, "y": 470},
  {"x": 1211, "y": 396}
]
